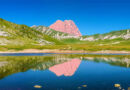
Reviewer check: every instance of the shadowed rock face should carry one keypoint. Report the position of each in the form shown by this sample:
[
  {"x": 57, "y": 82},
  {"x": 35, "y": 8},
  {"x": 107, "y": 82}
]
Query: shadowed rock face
[
  {"x": 67, "y": 68},
  {"x": 68, "y": 26}
]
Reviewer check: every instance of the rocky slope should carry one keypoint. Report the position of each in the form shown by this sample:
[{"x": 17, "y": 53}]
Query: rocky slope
[
  {"x": 122, "y": 34},
  {"x": 53, "y": 33},
  {"x": 68, "y": 26}
]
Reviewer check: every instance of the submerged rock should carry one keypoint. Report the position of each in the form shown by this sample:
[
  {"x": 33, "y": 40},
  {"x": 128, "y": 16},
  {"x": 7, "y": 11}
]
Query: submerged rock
[
  {"x": 128, "y": 88},
  {"x": 117, "y": 85},
  {"x": 38, "y": 86},
  {"x": 84, "y": 85}
]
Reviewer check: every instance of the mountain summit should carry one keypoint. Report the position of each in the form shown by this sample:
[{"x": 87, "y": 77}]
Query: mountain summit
[{"x": 67, "y": 26}]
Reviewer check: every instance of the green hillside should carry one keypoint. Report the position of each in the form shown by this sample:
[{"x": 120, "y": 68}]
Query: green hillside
[
  {"x": 122, "y": 34},
  {"x": 21, "y": 36}
]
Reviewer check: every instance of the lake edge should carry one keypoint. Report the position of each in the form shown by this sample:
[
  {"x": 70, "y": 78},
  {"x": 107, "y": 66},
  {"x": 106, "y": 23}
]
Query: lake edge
[{"x": 66, "y": 51}]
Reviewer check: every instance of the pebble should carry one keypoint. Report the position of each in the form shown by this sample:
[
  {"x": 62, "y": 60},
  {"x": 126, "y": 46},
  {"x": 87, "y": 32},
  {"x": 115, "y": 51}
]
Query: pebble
[
  {"x": 117, "y": 85},
  {"x": 84, "y": 85},
  {"x": 38, "y": 86},
  {"x": 128, "y": 88}
]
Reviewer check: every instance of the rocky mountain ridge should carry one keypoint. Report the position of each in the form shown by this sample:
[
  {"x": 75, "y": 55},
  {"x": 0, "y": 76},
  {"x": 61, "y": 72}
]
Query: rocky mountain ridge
[
  {"x": 55, "y": 34},
  {"x": 67, "y": 26},
  {"x": 121, "y": 34}
]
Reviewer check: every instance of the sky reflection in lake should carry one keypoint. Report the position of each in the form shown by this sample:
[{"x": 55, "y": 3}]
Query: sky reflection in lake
[{"x": 71, "y": 72}]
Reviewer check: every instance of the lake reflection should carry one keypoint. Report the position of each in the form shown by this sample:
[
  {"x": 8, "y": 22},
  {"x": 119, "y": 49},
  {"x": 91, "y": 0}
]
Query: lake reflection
[
  {"x": 67, "y": 68},
  {"x": 65, "y": 72}
]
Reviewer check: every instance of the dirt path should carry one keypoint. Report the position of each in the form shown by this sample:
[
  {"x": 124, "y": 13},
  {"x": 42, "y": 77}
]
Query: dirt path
[{"x": 66, "y": 51}]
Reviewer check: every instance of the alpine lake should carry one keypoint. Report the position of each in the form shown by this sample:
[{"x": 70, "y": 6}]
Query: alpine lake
[{"x": 46, "y": 71}]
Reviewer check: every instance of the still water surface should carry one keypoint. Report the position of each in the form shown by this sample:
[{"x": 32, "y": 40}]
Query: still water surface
[{"x": 64, "y": 72}]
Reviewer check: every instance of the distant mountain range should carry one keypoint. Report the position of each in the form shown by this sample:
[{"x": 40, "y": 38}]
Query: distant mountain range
[
  {"x": 121, "y": 34},
  {"x": 59, "y": 30},
  {"x": 14, "y": 35}
]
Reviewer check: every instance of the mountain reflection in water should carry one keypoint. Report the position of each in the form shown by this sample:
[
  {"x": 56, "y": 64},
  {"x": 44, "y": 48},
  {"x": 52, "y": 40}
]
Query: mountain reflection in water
[
  {"x": 59, "y": 64},
  {"x": 66, "y": 72},
  {"x": 67, "y": 69}
]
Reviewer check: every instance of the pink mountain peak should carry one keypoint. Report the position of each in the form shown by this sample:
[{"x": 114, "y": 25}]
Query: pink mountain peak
[
  {"x": 59, "y": 21},
  {"x": 67, "y": 26}
]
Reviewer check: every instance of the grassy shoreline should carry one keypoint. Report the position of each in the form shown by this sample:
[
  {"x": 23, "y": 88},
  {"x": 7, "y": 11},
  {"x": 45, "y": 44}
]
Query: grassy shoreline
[
  {"x": 67, "y": 48},
  {"x": 71, "y": 47}
]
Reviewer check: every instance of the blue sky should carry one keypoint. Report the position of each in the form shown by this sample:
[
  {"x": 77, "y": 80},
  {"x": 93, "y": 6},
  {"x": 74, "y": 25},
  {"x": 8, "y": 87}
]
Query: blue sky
[{"x": 91, "y": 16}]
